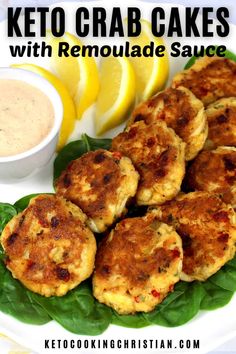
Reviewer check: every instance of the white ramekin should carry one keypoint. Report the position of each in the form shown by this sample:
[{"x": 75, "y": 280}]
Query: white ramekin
[{"x": 23, "y": 164}]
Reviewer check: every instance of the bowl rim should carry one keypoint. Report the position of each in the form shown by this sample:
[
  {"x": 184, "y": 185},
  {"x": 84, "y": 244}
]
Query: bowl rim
[{"x": 49, "y": 90}]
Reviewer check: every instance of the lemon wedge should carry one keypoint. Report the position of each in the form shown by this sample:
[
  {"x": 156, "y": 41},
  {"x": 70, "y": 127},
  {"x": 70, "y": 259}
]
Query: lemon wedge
[
  {"x": 69, "y": 116},
  {"x": 79, "y": 74},
  {"x": 151, "y": 72},
  {"x": 116, "y": 95}
]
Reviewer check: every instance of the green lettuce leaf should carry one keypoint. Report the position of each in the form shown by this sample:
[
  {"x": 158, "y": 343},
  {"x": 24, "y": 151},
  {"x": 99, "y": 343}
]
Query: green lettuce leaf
[{"x": 77, "y": 311}]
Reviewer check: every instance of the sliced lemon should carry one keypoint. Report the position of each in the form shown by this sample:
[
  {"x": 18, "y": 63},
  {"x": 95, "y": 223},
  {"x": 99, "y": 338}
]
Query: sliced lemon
[
  {"x": 116, "y": 95},
  {"x": 79, "y": 74},
  {"x": 151, "y": 72},
  {"x": 69, "y": 116}
]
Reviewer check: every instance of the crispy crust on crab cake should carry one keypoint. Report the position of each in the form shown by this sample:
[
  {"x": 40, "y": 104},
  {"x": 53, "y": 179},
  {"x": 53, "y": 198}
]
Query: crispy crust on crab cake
[
  {"x": 215, "y": 171},
  {"x": 181, "y": 111},
  {"x": 48, "y": 246},
  {"x": 137, "y": 265},
  {"x": 100, "y": 183},
  {"x": 207, "y": 228},
  {"x": 158, "y": 154},
  {"x": 221, "y": 116},
  {"x": 209, "y": 79}
]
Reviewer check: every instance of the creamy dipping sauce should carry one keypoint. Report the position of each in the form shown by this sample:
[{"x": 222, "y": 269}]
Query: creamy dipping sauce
[{"x": 26, "y": 117}]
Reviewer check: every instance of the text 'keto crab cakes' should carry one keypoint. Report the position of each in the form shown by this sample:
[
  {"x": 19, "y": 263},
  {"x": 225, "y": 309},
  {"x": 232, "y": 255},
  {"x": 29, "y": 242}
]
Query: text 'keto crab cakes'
[
  {"x": 181, "y": 111},
  {"x": 100, "y": 183},
  {"x": 215, "y": 171},
  {"x": 48, "y": 246},
  {"x": 158, "y": 154},
  {"x": 221, "y": 116},
  {"x": 137, "y": 265},
  {"x": 207, "y": 227},
  {"x": 209, "y": 79}
]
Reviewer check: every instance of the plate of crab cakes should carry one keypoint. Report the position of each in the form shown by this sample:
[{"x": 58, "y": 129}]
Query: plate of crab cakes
[{"x": 134, "y": 237}]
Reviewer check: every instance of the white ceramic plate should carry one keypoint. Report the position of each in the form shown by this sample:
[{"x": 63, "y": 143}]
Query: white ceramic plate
[{"x": 211, "y": 328}]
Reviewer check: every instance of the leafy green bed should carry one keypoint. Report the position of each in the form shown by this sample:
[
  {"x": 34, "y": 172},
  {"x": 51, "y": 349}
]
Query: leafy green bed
[{"x": 78, "y": 311}]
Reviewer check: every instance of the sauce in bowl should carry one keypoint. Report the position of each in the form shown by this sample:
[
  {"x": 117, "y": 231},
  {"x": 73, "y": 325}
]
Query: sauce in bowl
[{"x": 26, "y": 117}]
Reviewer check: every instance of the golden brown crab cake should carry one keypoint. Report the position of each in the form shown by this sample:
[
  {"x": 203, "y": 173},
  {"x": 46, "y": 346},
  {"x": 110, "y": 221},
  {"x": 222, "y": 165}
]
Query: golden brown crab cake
[
  {"x": 209, "y": 79},
  {"x": 215, "y": 171},
  {"x": 207, "y": 228},
  {"x": 182, "y": 112},
  {"x": 137, "y": 265},
  {"x": 48, "y": 246},
  {"x": 158, "y": 154},
  {"x": 221, "y": 116},
  {"x": 100, "y": 183}
]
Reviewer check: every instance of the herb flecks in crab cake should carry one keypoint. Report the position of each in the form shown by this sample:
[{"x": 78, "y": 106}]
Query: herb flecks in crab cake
[
  {"x": 221, "y": 117},
  {"x": 158, "y": 154},
  {"x": 207, "y": 227},
  {"x": 181, "y": 111},
  {"x": 209, "y": 79},
  {"x": 137, "y": 265},
  {"x": 48, "y": 246},
  {"x": 101, "y": 183},
  {"x": 215, "y": 171}
]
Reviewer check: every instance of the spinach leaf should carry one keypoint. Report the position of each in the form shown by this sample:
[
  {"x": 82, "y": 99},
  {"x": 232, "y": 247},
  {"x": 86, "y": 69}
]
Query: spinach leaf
[
  {"x": 191, "y": 61},
  {"x": 95, "y": 144},
  {"x": 78, "y": 311},
  {"x": 179, "y": 307},
  {"x": 131, "y": 321},
  {"x": 76, "y": 149},
  {"x": 2, "y": 254},
  {"x": 22, "y": 203},
  {"x": 215, "y": 296},
  {"x": 226, "y": 276},
  {"x": 17, "y": 301},
  {"x": 7, "y": 211}
]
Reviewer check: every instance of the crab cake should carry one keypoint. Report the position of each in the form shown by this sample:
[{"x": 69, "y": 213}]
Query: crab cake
[
  {"x": 100, "y": 183},
  {"x": 137, "y": 265},
  {"x": 215, "y": 171},
  {"x": 158, "y": 154},
  {"x": 48, "y": 246},
  {"x": 209, "y": 79},
  {"x": 207, "y": 228},
  {"x": 221, "y": 116},
  {"x": 182, "y": 112}
]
